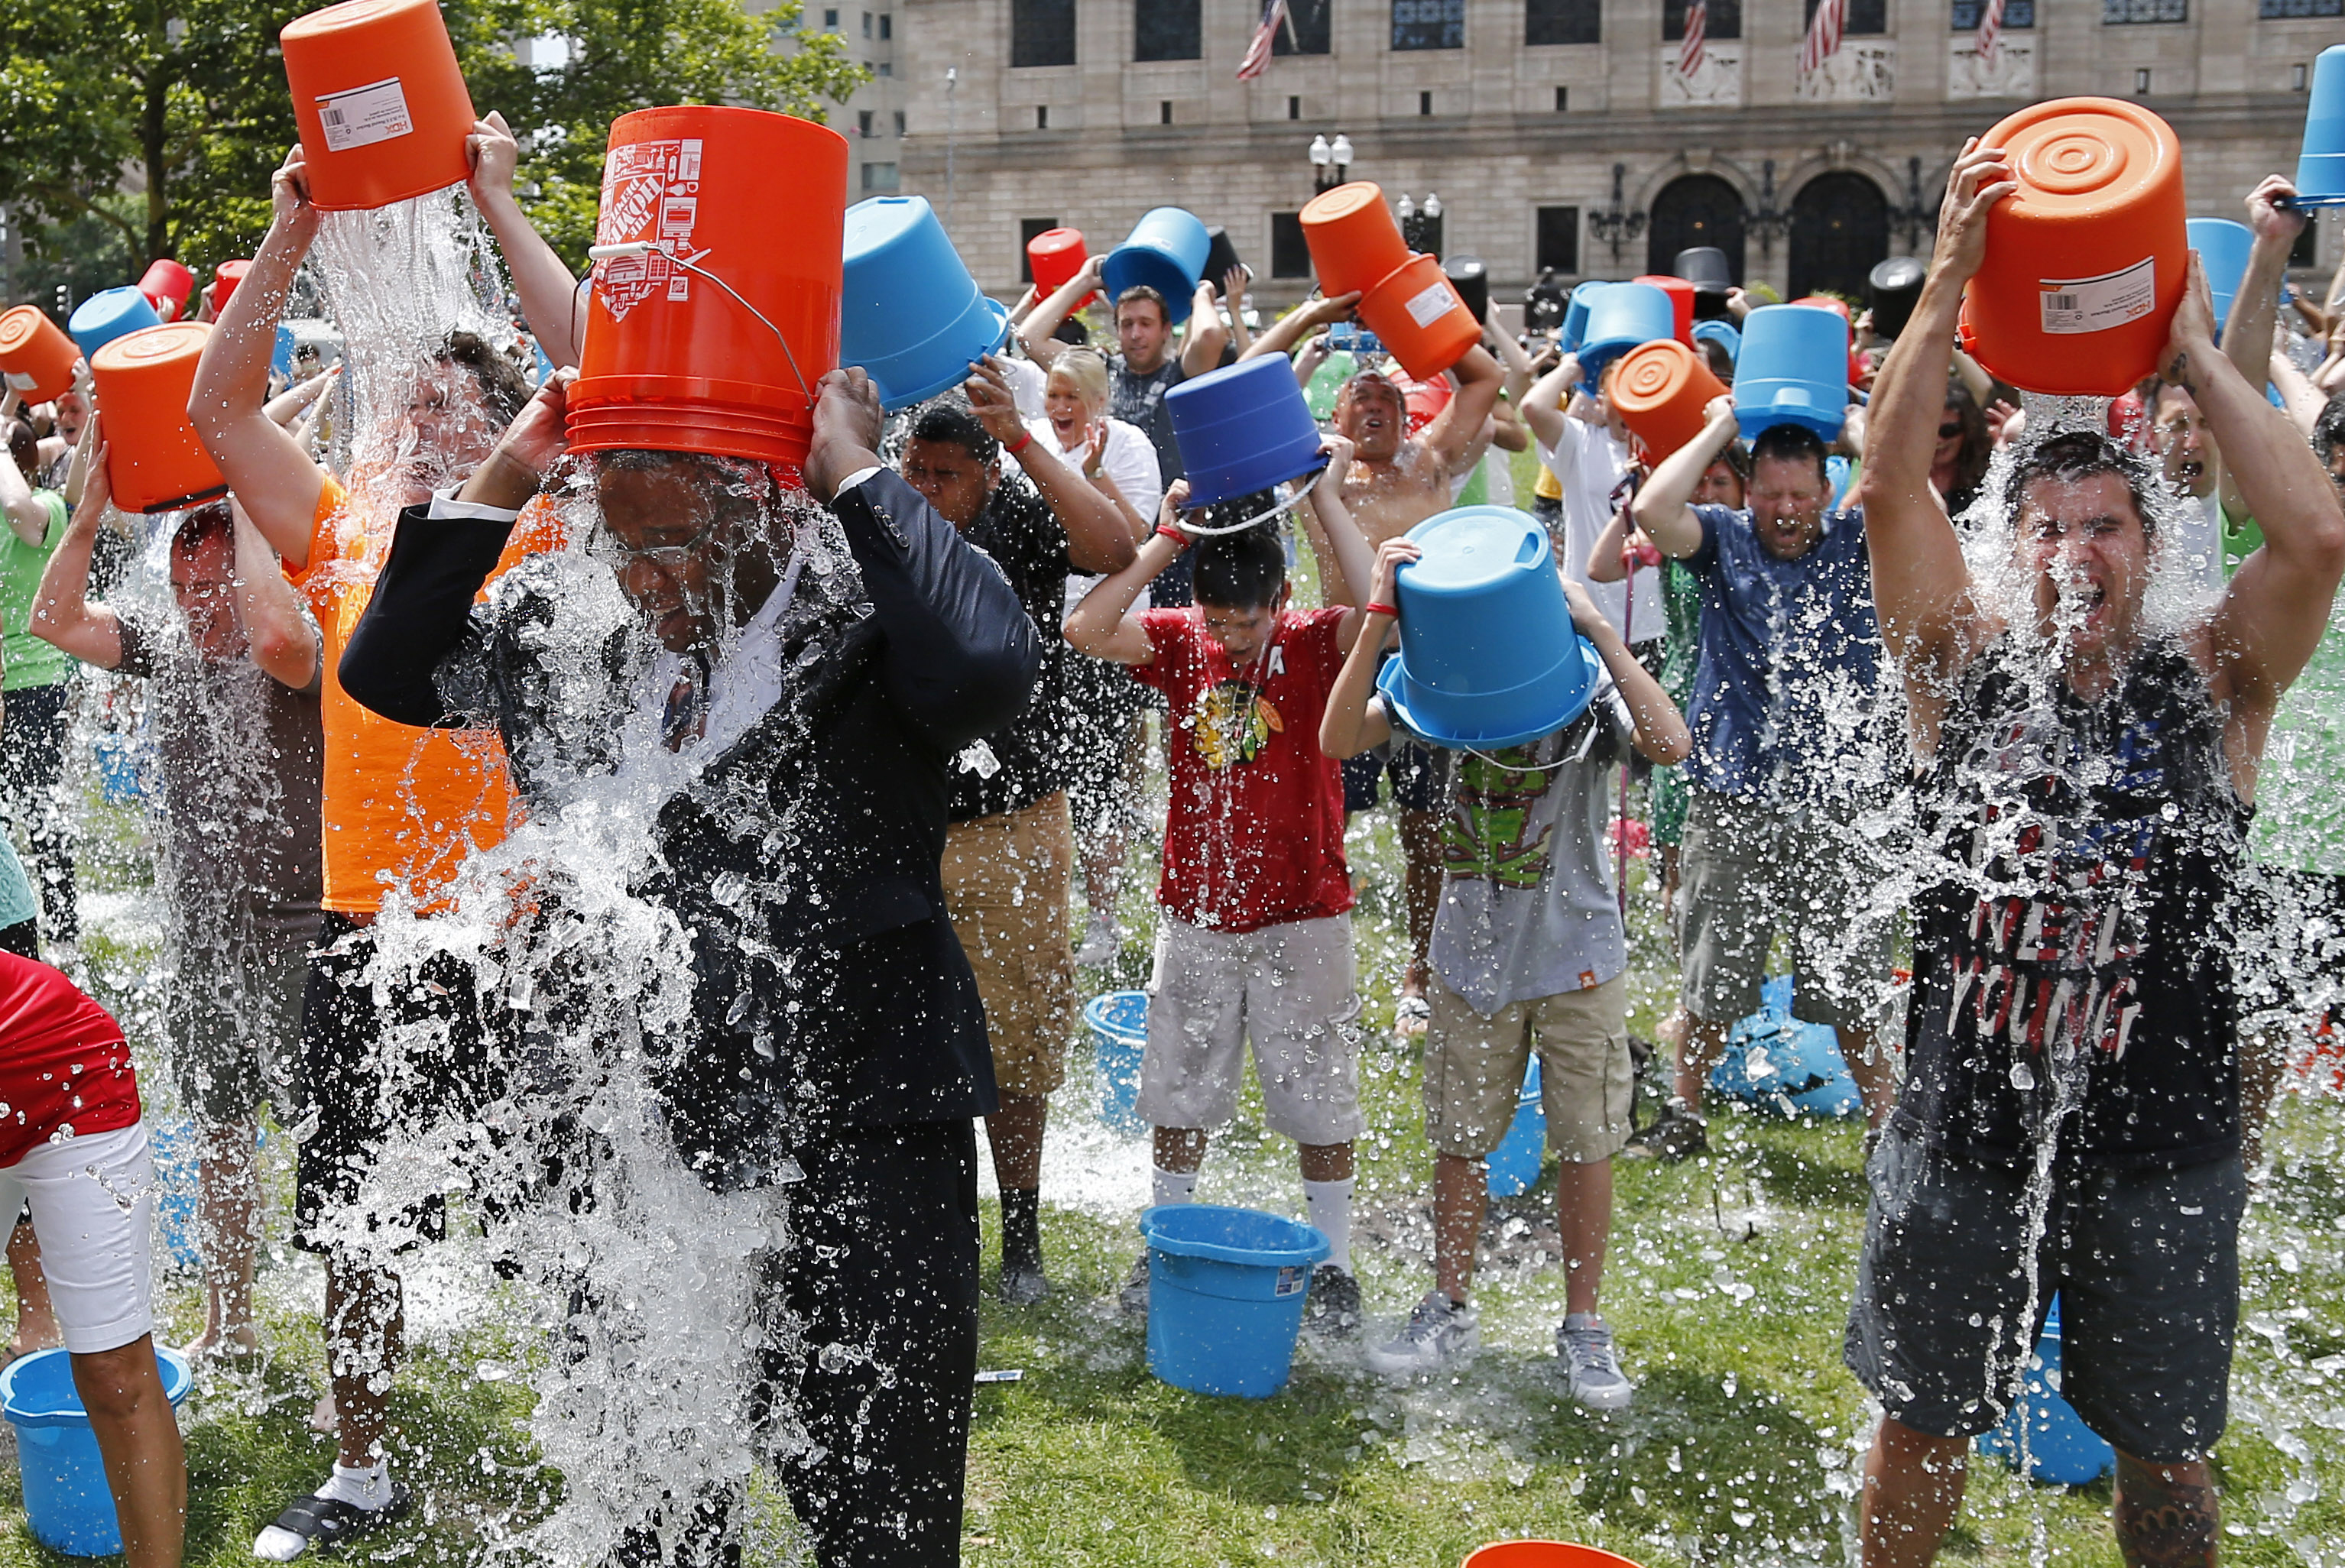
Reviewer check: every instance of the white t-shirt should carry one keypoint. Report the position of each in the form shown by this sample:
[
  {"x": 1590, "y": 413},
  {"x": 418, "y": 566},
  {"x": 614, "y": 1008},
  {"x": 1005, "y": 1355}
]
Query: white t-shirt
[
  {"x": 2196, "y": 548},
  {"x": 1129, "y": 460},
  {"x": 1027, "y": 381},
  {"x": 1588, "y": 465}
]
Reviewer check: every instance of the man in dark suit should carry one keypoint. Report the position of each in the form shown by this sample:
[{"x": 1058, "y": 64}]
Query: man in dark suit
[{"x": 791, "y": 696}]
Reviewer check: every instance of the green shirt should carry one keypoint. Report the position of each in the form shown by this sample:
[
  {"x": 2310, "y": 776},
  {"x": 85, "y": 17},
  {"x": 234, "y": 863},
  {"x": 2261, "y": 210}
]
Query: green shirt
[
  {"x": 2296, "y": 823},
  {"x": 24, "y": 659}
]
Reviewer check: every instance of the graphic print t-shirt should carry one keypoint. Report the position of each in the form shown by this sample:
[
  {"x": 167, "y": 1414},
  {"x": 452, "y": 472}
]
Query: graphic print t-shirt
[{"x": 1255, "y": 833}]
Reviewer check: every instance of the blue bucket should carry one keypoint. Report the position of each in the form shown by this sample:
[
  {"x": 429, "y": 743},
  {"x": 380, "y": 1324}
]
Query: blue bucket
[
  {"x": 1774, "y": 1062},
  {"x": 2321, "y": 164},
  {"x": 1225, "y": 1294},
  {"x": 909, "y": 312},
  {"x": 109, "y": 314},
  {"x": 1621, "y": 316},
  {"x": 1841, "y": 474},
  {"x": 1242, "y": 429},
  {"x": 1514, "y": 1165},
  {"x": 1489, "y": 656},
  {"x": 66, "y": 1501},
  {"x": 178, "y": 1161},
  {"x": 1118, "y": 1024},
  {"x": 120, "y": 767},
  {"x": 1575, "y": 314},
  {"x": 280, "y": 356},
  {"x": 1723, "y": 333},
  {"x": 2222, "y": 247},
  {"x": 1792, "y": 370},
  {"x": 2061, "y": 1448},
  {"x": 1166, "y": 250}
]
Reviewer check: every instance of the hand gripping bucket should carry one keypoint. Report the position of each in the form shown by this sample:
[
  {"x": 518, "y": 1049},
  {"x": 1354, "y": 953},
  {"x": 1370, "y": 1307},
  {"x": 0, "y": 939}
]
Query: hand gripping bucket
[
  {"x": 68, "y": 1502},
  {"x": 1619, "y": 319},
  {"x": 1242, "y": 429},
  {"x": 2222, "y": 247},
  {"x": 1225, "y": 1294},
  {"x": 1682, "y": 301},
  {"x": 167, "y": 284},
  {"x": 2085, "y": 262},
  {"x": 1489, "y": 656},
  {"x": 37, "y": 359},
  {"x": 1354, "y": 240},
  {"x": 1575, "y": 315},
  {"x": 910, "y": 314},
  {"x": 2320, "y": 163},
  {"x": 1544, "y": 1555},
  {"x": 1418, "y": 315},
  {"x": 1510, "y": 1168},
  {"x": 1660, "y": 391},
  {"x": 2061, "y": 1448},
  {"x": 107, "y": 315},
  {"x": 1054, "y": 256},
  {"x": 153, "y": 459},
  {"x": 1118, "y": 1024},
  {"x": 1166, "y": 250},
  {"x": 1792, "y": 370},
  {"x": 716, "y": 311},
  {"x": 379, "y": 100}
]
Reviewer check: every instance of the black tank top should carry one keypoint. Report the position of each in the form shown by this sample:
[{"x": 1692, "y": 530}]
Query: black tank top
[{"x": 2080, "y": 912}]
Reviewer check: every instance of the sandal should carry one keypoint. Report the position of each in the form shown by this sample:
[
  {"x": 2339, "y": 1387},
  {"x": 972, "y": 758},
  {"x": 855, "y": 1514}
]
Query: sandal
[
  {"x": 325, "y": 1522},
  {"x": 1411, "y": 1016}
]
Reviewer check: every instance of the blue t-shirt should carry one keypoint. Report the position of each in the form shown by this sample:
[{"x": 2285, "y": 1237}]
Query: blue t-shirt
[{"x": 1784, "y": 705}]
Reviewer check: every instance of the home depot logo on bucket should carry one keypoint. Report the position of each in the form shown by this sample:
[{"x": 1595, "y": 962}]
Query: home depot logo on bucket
[{"x": 651, "y": 191}]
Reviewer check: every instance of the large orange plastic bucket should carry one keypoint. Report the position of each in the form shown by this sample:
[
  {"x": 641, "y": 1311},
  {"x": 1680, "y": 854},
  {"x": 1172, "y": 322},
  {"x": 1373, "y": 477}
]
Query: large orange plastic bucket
[
  {"x": 154, "y": 460},
  {"x": 1420, "y": 317},
  {"x": 1354, "y": 241},
  {"x": 1659, "y": 391},
  {"x": 1545, "y": 1555},
  {"x": 675, "y": 360},
  {"x": 2087, "y": 259},
  {"x": 35, "y": 356},
  {"x": 381, "y": 107},
  {"x": 1054, "y": 256},
  {"x": 1680, "y": 293}
]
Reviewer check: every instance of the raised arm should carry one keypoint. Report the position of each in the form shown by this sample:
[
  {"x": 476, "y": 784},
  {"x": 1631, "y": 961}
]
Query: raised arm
[
  {"x": 1542, "y": 406},
  {"x": 261, "y": 460},
  {"x": 28, "y": 514},
  {"x": 1461, "y": 419},
  {"x": 1035, "y": 331},
  {"x": 1098, "y": 537},
  {"x": 1663, "y": 510},
  {"x": 1201, "y": 347},
  {"x": 1233, "y": 290},
  {"x": 278, "y": 632},
  {"x": 1656, "y": 729},
  {"x": 1290, "y": 329},
  {"x": 1355, "y": 719},
  {"x": 63, "y": 615},
  {"x": 1336, "y": 542},
  {"x": 1608, "y": 557},
  {"x": 1514, "y": 357},
  {"x": 1103, "y": 625},
  {"x": 2275, "y": 220},
  {"x": 550, "y": 299}
]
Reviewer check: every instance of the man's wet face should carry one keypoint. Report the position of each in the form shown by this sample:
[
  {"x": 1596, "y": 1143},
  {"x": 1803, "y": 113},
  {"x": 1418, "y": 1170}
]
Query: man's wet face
[
  {"x": 2087, "y": 556},
  {"x": 203, "y": 580},
  {"x": 2186, "y": 447},
  {"x": 1143, "y": 333},
  {"x": 948, "y": 477},
  {"x": 1788, "y": 496},
  {"x": 1373, "y": 418},
  {"x": 1242, "y": 634},
  {"x": 668, "y": 548},
  {"x": 449, "y": 431}
]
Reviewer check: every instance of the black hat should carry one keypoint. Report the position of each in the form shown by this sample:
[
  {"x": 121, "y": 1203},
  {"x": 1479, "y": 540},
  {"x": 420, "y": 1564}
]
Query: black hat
[
  {"x": 1704, "y": 267},
  {"x": 1471, "y": 277},
  {"x": 1897, "y": 289},
  {"x": 1220, "y": 256}
]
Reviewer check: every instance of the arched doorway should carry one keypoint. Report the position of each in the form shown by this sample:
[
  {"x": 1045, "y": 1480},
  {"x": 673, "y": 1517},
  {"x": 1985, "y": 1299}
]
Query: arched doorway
[
  {"x": 1840, "y": 232},
  {"x": 1696, "y": 209}
]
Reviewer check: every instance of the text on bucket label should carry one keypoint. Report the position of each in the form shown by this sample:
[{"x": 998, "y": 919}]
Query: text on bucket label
[
  {"x": 361, "y": 117},
  {"x": 2076, "y": 305},
  {"x": 1431, "y": 304}
]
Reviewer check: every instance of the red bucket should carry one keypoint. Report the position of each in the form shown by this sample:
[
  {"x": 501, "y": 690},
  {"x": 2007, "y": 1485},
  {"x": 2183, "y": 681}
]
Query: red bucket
[
  {"x": 379, "y": 102},
  {"x": 1680, "y": 293},
  {"x": 1545, "y": 1555},
  {"x": 1054, "y": 256},
  {"x": 167, "y": 284},
  {"x": 154, "y": 460},
  {"x": 225, "y": 277},
  {"x": 720, "y": 356}
]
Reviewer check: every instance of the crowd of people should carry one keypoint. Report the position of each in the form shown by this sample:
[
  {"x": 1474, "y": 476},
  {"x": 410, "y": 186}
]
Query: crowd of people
[{"x": 1971, "y": 710}]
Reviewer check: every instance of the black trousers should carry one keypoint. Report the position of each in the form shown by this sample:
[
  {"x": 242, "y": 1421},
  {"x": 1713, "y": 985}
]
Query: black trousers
[{"x": 31, "y": 765}]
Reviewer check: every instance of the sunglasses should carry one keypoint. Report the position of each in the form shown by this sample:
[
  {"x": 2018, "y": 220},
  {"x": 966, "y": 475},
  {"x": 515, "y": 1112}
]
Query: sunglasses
[{"x": 601, "y": 546}]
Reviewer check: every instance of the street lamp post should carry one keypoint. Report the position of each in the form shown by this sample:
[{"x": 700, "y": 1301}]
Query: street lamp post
[
  {"x": 1420, "y": 226},
  {"x": 952, "y": 80},
  {"x": 1331, "y": 162}
]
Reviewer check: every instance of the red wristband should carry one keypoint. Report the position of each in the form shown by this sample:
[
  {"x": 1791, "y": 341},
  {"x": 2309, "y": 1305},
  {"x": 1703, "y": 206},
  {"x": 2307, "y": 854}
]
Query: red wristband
[
  {"x": 1020, "y": 444},
  {"x": 1386, "y": 609},
  {"x": 1180, "y": 539}
]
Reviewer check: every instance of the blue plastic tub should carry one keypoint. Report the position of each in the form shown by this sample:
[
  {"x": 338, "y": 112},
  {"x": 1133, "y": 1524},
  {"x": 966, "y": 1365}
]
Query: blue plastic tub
[
  {"x": 2321, "y": 164},
  {"x": 1118, "y": 1024},
  {"x": 1622, "y": 316},
  {"x": 909, "y": 312},
  {"x": 1242, "y": 429},
  {"x": 1225, "y": 1294},
  {"x": 2222, "y": 247},
  {"x": 1774, "y": 1062},
  {"x": 178, "y": 1159},
  {"x": 1722, "y": 332},
  {"x": 1792, "y": 370},
  {"x": 1514, "y": 1165},
  {"x": 108, "y": 314},
  {"x": 2061, "y": 1448},
  {"x": 1575, "y": 314},
  {"x": 1166, "y": 250},
  {"x": 66, "y": 1501}
]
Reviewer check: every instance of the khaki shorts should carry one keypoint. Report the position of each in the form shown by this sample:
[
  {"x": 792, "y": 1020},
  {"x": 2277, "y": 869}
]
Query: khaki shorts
[
  {"x": 1007, "y": 879},
  {"x": 1474, "y": 1069},
  {"x": 1748, "y": 870},
  {"x": 1288, "y": 989}
]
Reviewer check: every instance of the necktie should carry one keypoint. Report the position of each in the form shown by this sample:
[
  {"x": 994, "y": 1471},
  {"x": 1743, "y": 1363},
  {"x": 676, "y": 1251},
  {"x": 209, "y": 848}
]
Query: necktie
[{"x": 685, "y": 717}]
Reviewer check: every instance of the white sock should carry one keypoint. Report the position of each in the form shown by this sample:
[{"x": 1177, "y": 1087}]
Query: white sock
[
  {"x": 1174, "y": 1186},
  {"x": 368, "y": 1488},
  {"x": 1328, "y": 1205}
]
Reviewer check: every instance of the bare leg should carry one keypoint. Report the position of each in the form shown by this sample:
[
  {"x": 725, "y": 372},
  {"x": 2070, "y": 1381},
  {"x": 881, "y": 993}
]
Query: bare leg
[
  {"x": 365, "y": 1327},
  {"x": 1669, "y": 888},
  {"x": 1583, "y": 1213},
  {"x": 36, "y": 1325},
  {"x": 1867, "y": 1056},
  {"x": 1912, "y": 1487},
  {"x": 228, "y": 1211},
  {"x": 1180, "y": 1149},
  {"x": 2168, "y": 1515},
  {"x": 1699, "y": 1049},
  {"x": 139, "y": 1437},
  {"x": 1460, "y": 1192},
  {"x": 1015, "y": 1135},
  {"x": 1321, "y": 1161},
  {"x": 1420, "y": 849}
]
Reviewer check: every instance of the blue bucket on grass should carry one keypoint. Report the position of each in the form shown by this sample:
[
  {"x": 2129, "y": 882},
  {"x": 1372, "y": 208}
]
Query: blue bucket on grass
[
  {"x": 1118, "y": 1024},
  {"x": 1575, "y": 314},
  {"x": 66, "y": 1501},
  {"x": 1489, "y": 656},
  {"x": 1514, "y": 1165},
  {"x": 108, "y": 314},
  {"x": 2061, "y": 1448},
  {"x": 2321, "y": 164},
  {"x": 1225, "y": 1294},
  {"x": 1242, "y": 429},
  {"x": 1166, "y": 250},
  {"x": 2222, "y": 247},
  {"x": 179, "y": 1161},
  {"x": 1792, "y": 370},
  {"x": 1776, "y": 1063},
  {"x": 1621, "y": 316},
  {"x": 909, "y": 312}
]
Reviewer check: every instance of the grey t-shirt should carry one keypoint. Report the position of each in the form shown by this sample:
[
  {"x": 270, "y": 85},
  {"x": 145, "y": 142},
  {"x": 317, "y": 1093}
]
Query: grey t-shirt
[{"x": 1528, "y": 904}]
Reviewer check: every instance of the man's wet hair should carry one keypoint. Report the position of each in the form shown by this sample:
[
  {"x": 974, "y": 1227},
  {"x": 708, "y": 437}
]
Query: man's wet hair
[
  {"x": 1376, "y": 380},
  {"x": 504, "y": 387},
  {"x": 718, "y": 480},
  {"x": 24, "y": 448},
  {"x": 1141, "y": 291},
  {"x": 2329, "y": 430},
  {"x": 198, "y": 527},
  {"x": 949, "y": 422},
  {"x": 1791, "y": 443},
  {"x": 2074, "y": 455},
  {"x": 1242, "y": 571}
]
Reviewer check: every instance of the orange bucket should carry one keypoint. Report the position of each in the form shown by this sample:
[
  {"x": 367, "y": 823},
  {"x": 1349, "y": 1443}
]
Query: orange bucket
[
  {"x": 381, "y": 107},
  {"x": 1418, "y": 315},
  {"x": 1544, "y": 1555},
  {"x": 225, "y": 277},
  {"x": 1660, "y": 391},
  {"x": 1680, "y": 293},
  {"x": 1054, "y": 256},
  {"x": 2087, "y": 259},
  {"x": 154, "y": 460},
  {"x": 35, "y": 355},
  {"x": 721, "y": 357},
  {"x": 1354, "y": 241}
]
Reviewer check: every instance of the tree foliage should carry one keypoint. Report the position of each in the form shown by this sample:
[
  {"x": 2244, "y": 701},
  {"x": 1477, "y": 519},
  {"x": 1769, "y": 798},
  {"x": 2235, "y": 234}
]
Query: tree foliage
[{"x": 182, "y": 104}]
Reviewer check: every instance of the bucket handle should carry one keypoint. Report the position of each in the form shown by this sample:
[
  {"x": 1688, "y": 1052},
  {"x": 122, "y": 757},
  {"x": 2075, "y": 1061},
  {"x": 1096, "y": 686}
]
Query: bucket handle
[
  {"x": 1199, "y": 530},
  {"x": 646, "y": 247}
]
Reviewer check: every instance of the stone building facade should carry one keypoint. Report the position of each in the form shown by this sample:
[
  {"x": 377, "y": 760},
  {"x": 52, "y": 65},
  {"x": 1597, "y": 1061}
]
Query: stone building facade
[{"x": 1560, "y": 134}]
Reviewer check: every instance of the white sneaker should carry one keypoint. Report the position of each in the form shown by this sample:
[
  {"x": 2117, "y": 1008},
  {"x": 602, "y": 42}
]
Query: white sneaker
[
  {"x": 1585, "y": 1344},
  {"x": 1101, "y": 942},
  {"x": 1439, "y": 1330}
]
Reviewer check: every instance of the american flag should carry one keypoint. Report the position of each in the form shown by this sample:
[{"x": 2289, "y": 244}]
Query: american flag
[
  {"x": 1697, "y": 24},
  {"x": 1822, "y": 41},
  {"x": 1257, "y": 55},
  {"x": 1990, "y": 30}
]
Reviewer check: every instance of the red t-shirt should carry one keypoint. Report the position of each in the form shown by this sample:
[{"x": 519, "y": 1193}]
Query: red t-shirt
[
  {"x": 63, "y": 1062},
  {"x": 1255, "y": 832}
]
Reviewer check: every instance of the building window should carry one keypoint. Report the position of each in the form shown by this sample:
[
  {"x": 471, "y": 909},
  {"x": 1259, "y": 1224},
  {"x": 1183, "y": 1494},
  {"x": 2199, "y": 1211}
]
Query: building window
[
  {"x": 2141, "y": 81},
  {"x": 2125, "y": 13},
  {"x": 830, "y": 20},
  {"x": 1166, "y": 29},
  {"x": 899, "y": 122},
  {"x": 1289, "y": 256},
  {"x": 1724, "y": 21},
  {"x": 1562, "y": 99},
  {"x": 2277, "y": 10},
  {"x": 863, "y": 123},
  {"x": 1028, "y": 227},
  {"x": 887, "y": 67},
  {"x": 879, "y": 176},
  {"x": 1042, "y": 117},
  {"x": 2019, "y": 16},
  {"x": 1165, "y": 112},
  {"x": 1294, "y": 103},
  {"x": 1310, "y": 23},
  {"x": 2306, "y": 251},
  {"x": 1861, "y": 17},
  {"x": 867, "y": 24},
  {"x": 1041, "y": 32},
  {"x": 1425, "y": 103},
  {"x": 1563, "y": 22},
  {"x": 1558, "y": 240},
  {"x": 1429, "y": 24},
  {"x": 886, "y": 24}
]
